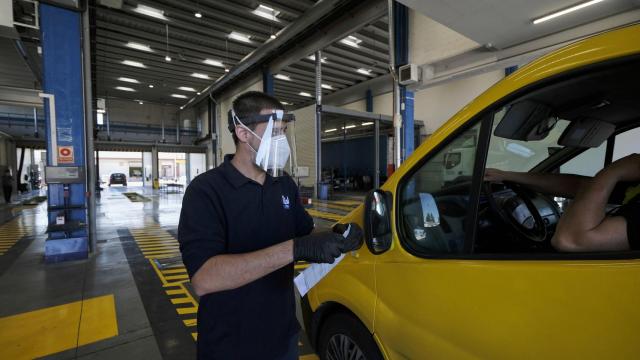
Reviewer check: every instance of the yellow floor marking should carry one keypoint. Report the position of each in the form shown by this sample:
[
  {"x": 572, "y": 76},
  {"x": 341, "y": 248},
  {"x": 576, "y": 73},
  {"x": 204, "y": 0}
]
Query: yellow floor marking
[
  {"x": 347, "y": 202},
  {"x": 333, "y": 206},
  {"x": 190, "y": 322},
  {"x": 159, "y": 253},
  {"x": 175, "y": 292},
  {"x": 301, "y": 266},
  {"x": 187, "y": 310},
  {"x": 174, "y": 271},
  {"x": 54, "y": 329},
  {"x": 167, "y": 246},
  {"x": 177, "y": 277},
  {"x": 324, "y": 215},
  {"x": 195, "y": 336},
  {"x": 183, "y": 300},
  {"x": 309, "y": 357}
]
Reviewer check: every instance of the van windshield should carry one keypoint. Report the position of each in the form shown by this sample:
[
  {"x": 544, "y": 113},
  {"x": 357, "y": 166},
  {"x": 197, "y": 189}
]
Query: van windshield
[{"x": 522, "y": 156}]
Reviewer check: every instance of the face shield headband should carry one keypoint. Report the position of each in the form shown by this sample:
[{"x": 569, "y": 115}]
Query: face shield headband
[{"x": 274, "y": 150}]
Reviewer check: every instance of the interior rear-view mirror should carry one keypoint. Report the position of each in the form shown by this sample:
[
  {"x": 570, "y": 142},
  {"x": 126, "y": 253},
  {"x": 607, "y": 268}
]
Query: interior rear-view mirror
[
  {"x": 378, "y": 221},
  {"x": 526, "y": 120}
]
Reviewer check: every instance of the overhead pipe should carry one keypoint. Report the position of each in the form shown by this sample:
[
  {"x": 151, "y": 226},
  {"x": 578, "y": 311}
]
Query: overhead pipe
[
  {"x": 178, "y": 129},
  {"x": 397, "y": 116},
  {"x": 318, "y": 121},
  {"x": 311, "y": 16}
]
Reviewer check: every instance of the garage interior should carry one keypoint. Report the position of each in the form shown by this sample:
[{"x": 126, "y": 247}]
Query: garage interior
[{"x": 140, "y": 91}]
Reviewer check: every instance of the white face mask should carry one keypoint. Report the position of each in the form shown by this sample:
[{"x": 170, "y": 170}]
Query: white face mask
[{"x": 273, "y": 152}]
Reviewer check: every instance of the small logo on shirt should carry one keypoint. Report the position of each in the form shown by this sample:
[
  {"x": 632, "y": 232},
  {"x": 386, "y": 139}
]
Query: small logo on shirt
[{"x": 285, "y": 202}]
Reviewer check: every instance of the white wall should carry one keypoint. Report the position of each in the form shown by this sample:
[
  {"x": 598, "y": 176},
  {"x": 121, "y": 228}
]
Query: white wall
[
  {"x": 147, "y": 113},
  {"x": 225, "y": 141},
  {"x": 306, "y": 142}
]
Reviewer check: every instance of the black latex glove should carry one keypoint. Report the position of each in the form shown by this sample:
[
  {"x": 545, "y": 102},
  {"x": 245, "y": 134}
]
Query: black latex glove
[
  {"x": 354, "y": 239},
  {"x": 318, "y": 247}
]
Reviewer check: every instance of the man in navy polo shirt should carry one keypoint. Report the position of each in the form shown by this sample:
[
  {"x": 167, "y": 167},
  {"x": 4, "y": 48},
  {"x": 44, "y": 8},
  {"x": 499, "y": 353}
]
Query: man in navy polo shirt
[{"x": 241, "y": 228}]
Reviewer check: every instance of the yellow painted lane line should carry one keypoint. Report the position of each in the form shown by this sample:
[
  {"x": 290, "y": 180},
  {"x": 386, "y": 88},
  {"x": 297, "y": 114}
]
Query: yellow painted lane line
[
  {"x": 347, "y": 202},
  {"x": 190, "y": 322},
  {"x": 154, "y": 248},
  {"x": 54, "y": 329},
  {"x": 183, "y": 300},
  {"x": 309, "y": 357},
  {"x": 177, "y": 277},
  {"x": 187, "y": 310},
  {"x": 334, "y": 206},
  {"x": 175, "y": 271},
  {"x": 175, "y": 292},
  {"x": 324, "y": 215}
]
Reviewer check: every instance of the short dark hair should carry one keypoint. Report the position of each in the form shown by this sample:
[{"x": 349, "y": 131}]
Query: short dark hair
[{"x": 252, "y": 103}]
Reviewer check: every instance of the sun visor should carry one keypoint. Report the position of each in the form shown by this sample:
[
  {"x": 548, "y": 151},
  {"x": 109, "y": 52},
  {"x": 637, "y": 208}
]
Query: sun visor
[
  {"x": 526, "y": 121},
  {"x": 586, "y": 133}
]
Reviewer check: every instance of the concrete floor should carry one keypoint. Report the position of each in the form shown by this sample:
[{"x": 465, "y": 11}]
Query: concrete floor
[{"x": 137, "y": 262}]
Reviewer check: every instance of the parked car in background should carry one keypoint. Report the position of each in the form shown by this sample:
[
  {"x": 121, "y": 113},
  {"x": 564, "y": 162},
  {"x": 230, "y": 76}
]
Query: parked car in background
[
  {"x": 118, "y": 178},
  {"x": 455, "y": 267}
]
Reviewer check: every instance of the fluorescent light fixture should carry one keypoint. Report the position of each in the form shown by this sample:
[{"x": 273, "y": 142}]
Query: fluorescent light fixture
[
  {"x": 149, "y": 11},
  {"x": 330, "y": 130},
  {"x": 326, "y": 86},
  {"x": 150, "y": 86},
  {"x": 200, "y": 76},
  {"x": 140, "y": 102},
  {"x": 129, "y": 80},
  {"x": 101, "y": 111},
  {"x": 364, "y": 71},
  {"x": 313, "y": 58},
  {"x": 367, "y": 123},
  {"x": 226, "y": 70},
  {"x": 100, "y": 118},
  {"x": 285, "y": 103},
  {"x": 179, "y": 96},
  {"x": 198, "y": 14},
  {"x": 138, "y": 46},
  {"x": 266, "y": 12},
  {"x": 133, "y": 63},
  {"x": 167, "y": 58},
  {"x": 198, "y": 93},
  {"x": 273, "y": 36},
  {"x": 186, "y": 88},
  {"x": 213, "y": 62},
  {"x": 349, "y": 127},
  {"x": 239, "y": 37},
  {"x": 566, "y": 11},
  {"x": 282, "y": 77},
  {"x": 351, "y": 41},
  {"x": 302, "y": 93},
  {"x": 181, "y": 107},
  {"x": 124, "y": 88}
]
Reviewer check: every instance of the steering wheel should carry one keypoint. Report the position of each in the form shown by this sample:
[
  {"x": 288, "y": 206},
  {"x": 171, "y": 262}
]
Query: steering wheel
[{"x": 537, "y": 235}]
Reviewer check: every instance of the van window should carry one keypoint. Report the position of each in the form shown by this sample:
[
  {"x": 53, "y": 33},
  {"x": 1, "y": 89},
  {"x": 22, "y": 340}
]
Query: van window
[
  {"x": 626, "y": 144},
  {"x": 435, "y": 199}
]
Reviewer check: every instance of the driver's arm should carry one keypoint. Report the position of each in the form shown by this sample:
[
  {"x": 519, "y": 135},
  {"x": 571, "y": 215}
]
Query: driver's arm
[{"x": 565, "y": 185}]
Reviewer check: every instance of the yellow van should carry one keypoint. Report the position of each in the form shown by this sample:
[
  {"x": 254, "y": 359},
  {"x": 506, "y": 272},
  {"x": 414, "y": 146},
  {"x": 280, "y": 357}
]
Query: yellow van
[{"x": 457, "y": 268}]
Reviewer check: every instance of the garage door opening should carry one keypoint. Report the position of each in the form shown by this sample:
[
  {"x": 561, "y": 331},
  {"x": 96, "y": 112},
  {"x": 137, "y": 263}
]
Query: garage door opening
[{"x": 352, "y": 160}]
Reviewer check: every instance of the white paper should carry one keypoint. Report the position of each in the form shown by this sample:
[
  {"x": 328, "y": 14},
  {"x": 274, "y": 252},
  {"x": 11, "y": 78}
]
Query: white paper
[{"x": 312, "y": 275}]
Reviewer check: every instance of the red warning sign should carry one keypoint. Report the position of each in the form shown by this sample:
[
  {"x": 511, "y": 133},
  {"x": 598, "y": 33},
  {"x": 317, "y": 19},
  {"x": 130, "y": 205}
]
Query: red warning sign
[{"x": 65, "y": 154}]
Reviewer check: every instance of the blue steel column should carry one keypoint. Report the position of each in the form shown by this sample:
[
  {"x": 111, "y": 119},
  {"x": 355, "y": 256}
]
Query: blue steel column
[
  {"x": 62, "y": 64},
  {"x": 401, "y": 43},
  {"x": 267, "y": 81}
]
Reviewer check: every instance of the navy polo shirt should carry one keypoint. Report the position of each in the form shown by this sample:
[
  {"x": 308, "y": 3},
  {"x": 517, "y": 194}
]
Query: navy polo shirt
[{"x": 224, "y": 212}]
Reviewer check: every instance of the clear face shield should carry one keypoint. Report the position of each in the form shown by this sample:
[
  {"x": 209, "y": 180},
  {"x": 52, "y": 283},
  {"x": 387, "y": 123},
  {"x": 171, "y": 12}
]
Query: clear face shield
[{"x": 276, "y": 154}]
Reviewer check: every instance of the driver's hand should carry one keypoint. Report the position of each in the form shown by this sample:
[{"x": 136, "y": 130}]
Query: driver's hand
[{"x": 495, "y": 175}]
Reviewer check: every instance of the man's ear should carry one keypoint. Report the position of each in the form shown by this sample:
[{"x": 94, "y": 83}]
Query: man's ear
[{"x": 241, "y": 134}]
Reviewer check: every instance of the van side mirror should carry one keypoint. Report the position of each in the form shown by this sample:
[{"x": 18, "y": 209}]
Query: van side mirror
[{"x": 377, "y": 221}]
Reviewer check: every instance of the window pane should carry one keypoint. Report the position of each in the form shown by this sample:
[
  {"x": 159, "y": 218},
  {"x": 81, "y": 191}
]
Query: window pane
[
  {"x": 516, "y": 155},
  {"x": 434, "y": 201},
  {"x": 626, "y": 144},
  {"x": 586, "y": 164}
]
